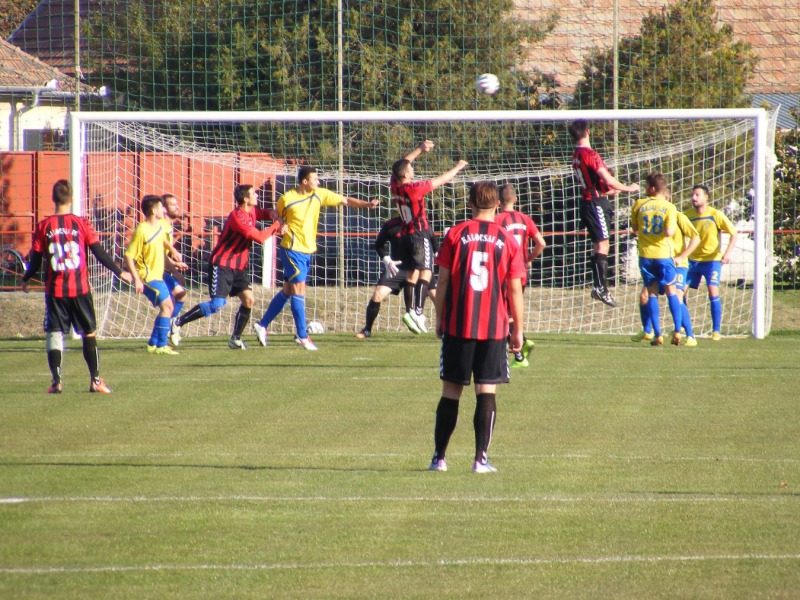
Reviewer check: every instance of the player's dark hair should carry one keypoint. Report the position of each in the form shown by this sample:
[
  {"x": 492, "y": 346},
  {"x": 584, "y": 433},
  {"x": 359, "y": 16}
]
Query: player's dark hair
[
  {"x": 241, "y": 192},
  {"x": 165, "y": 196},
  {"x": 303, "y": 173},
  {"x": 483, "y": 194},
  {"x": 700, "y": 186},
  {"x": 399, "y": 169},
  {"x": 577, "y": 129},
  {"x": 657, "y": 182},
  {"x": 62, "y": 192},
  {"x": 149, "y": 203},
  {"x": 506, "y": 189}
]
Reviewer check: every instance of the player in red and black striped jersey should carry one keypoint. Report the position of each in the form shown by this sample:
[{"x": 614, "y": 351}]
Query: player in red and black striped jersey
[
  {"x": 227, "y": 270},
  {"x": 480, "y": 280},
  {"x": 597, "y": 184},
  {"x": 417, "y": 252},
  {"x": 522, "y": 227},
  {"x": 63, "y": 242}
]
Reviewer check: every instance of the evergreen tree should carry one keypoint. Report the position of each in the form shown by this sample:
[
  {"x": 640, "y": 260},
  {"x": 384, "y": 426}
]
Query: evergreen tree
[{"x": 681, "y": 58}]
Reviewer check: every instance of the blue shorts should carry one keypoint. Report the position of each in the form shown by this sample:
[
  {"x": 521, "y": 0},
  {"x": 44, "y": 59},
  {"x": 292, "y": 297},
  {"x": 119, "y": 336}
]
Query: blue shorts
[
  {"x": 657, "y": 270},
  {"x": 680, "y": 281},
  {"x": 171, "y": 282},
  {"x": 295, "y": 265},
  {"x": 709, "y": 269},
  {"x": 156, "y": 291}
]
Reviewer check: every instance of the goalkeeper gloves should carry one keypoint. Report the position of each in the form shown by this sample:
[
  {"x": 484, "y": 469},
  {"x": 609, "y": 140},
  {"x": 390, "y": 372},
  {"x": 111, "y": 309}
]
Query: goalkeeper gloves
[{"x": 391, "y": 265}]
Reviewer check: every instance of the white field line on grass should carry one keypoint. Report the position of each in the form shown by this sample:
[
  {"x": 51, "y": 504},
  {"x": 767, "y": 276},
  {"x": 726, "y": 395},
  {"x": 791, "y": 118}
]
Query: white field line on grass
[
  {"x": 80, "y": 456},
  {"x": 402, "y": 564},
  {"x": 532, "y": 499}
]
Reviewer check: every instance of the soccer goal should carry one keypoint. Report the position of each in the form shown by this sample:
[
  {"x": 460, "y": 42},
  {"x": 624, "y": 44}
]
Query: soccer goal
[{"x": 200, "y": 157}]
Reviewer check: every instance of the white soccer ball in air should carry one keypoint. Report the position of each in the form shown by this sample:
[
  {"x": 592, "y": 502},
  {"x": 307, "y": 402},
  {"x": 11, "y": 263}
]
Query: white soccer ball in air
[
  {"x": 487, "y": 84},
  {"x": 315, "y": 327}
]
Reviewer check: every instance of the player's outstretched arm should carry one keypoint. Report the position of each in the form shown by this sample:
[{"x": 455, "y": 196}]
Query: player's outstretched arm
[
  {"x": 616, "y": 184},
  {"x": 425, "y": 146},
  {"x": 448, "y": 176},
  {"x": 356, "y": 203}
]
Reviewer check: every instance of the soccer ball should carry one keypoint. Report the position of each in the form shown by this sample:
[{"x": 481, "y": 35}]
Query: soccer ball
[
  {"x": 487, "y": 84},
  {"x": 315, "y": 327}
]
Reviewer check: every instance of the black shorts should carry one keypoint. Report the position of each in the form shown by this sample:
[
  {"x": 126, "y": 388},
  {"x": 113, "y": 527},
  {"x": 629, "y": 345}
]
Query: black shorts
[
  {"x": 394, "y": 282},
  {"x": 60, "y": 313},
  {"x": 418, "y": 250},
  {"x": 224, "y": 282},
  {"x": 461, "y": 358},
  {"x": 596, "y": 215}
]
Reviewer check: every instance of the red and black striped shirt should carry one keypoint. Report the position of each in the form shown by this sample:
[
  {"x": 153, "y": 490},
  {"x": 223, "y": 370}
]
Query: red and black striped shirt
[
  {"x": 481, "y": 257},
  {"x": 238, "y": 233},
  {"x": 63, "y": 241},
  {"x": 586, "y": 162},
  {"x": 410, "y": 200},
  {"x": 521, "y": 226}
]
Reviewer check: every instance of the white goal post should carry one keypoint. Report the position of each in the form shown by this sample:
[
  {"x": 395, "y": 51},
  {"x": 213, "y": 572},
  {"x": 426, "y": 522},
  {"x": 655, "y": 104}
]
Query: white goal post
[{"x": 117, "y": 157}]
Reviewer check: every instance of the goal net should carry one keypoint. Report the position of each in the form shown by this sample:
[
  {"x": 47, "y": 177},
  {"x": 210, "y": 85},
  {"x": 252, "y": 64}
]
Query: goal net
[{"x": 199, "y": 157}]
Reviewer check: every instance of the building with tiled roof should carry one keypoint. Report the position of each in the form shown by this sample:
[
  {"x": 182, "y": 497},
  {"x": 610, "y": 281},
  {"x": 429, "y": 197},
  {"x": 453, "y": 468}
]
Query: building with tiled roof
[{"x": 34, "y": 101}]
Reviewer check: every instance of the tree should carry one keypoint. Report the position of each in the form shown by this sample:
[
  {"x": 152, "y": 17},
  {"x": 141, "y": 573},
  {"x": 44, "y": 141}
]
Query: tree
[
  {"x": 680, "y": 59},
  {"x": 282, "y": 55},
  {"x": 206, "y": 55},
  {"x": 786, "y": 202},
  {"x": 12, "y": 14}
]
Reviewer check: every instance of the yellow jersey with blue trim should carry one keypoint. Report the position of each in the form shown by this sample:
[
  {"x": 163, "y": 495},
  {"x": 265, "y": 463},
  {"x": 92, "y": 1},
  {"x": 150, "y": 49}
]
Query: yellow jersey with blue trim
[
  {"x": 684, "y": 231},
  {"x": 168, "y": 228},
  {"x": 709, "y": 225},
  {"x": 146, "y": 248},
  {"x": 301, "y": 213},
  {"x": 652, "y": 217}
]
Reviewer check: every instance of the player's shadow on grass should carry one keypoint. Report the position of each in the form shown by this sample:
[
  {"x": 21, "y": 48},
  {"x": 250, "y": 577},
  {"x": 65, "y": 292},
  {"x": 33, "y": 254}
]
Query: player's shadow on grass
[{"x": 103, "y": 465}]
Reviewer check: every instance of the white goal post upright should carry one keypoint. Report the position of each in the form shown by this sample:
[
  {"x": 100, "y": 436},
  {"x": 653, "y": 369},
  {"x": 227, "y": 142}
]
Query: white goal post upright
[{"x": 575, "y": 315}]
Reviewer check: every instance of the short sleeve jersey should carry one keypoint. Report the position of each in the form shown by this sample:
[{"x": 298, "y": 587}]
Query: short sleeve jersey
[
  {"x": 233, "y": 246},
  {"x": 410, "y": 200},
  {"x": 521, "y": 226},
  {"x": 301, "y": 213},
  {"x": 481, "y": 257},
  {"x": 146, "y": 248},
  {"x": 684, "y": 231},
  {"x": 586, "y": 163},
  {"x": 63, "y": 241},
  {"x": 709, "y": 225},
  {"x": 653, "y": 216}
]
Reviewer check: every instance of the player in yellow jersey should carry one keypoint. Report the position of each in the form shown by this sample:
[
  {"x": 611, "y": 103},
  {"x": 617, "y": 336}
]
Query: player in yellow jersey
[
  {"x": 707, "y": 260},
  {"x": 144, "y": 259},
  {"x": 684, "y": 233},
  {"x": 654, "y": 220},
  {"x": 299, "y": 210}
]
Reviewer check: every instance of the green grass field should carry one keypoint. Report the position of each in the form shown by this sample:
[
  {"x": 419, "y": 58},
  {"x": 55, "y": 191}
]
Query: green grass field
[{"x": 624, "y": 472}]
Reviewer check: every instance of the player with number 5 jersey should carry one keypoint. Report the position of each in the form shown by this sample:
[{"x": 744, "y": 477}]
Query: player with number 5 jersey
[{"x": 480, "y": 280}]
